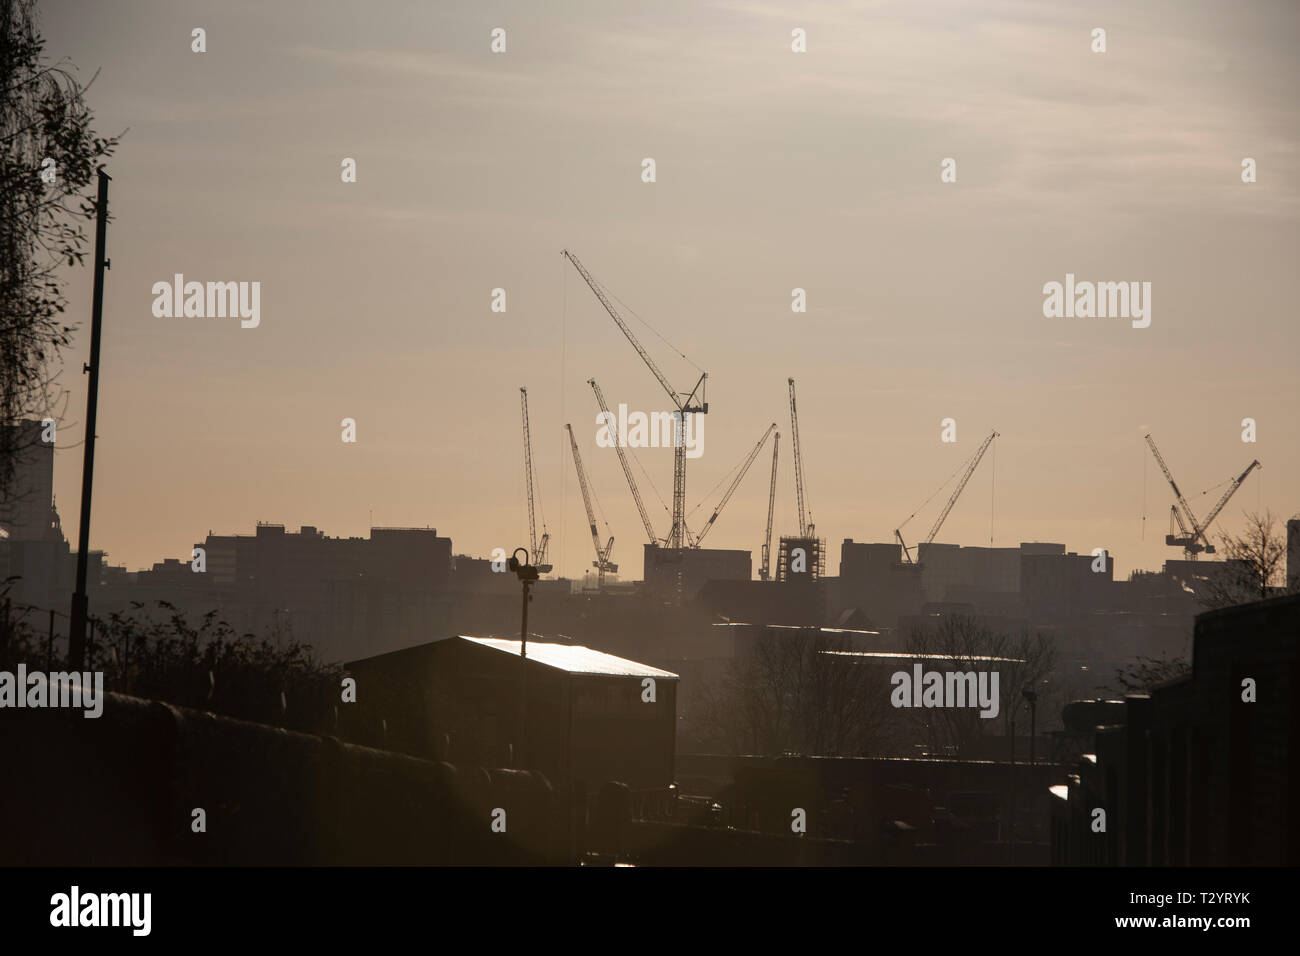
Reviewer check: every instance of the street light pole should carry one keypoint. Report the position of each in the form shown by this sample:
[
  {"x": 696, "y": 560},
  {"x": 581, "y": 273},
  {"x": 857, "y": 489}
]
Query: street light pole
[
  {"x": 527, "y": 575},
  {"x": 1032, "y": 698},
  {"x": 80, "y": 601}
]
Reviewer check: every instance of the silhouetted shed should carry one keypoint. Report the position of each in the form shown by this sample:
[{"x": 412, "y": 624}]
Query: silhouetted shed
[{"x": 591, "y": 717}]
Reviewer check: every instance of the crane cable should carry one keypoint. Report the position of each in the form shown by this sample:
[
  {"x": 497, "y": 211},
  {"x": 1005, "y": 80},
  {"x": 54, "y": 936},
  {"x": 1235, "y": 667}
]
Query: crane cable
[
  {"x": 936, "y": 491},
  {"x": 652, "y": 329}
]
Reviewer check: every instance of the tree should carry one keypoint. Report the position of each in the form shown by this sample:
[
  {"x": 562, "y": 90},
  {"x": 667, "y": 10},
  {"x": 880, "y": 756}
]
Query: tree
[
  {"x": 1146, "y": 672},
  {"x": 275, "y": 679},
  {"x": 1254, "y": 560},
  {"x": 965, "y": 643},
  {"x": 796, "y": 691},
  {"x": 48, "y": 157}
]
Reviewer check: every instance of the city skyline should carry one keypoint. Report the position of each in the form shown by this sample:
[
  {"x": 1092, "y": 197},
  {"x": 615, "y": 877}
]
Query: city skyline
[{"x": 774, "y": 172}]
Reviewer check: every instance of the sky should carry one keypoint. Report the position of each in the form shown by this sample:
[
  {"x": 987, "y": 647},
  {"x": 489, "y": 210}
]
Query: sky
[{"x": 774, "y": 170}]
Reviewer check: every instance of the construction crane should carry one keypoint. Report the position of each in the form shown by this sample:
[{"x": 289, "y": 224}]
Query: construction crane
[
  {"x": 938, "y": 522},
  {"x": 602, "y": 562},
  {"x": 612, "y": 423},
  {"x": 744, "y": 468},
  {"x": 1232, "y": 490},
  {"x": 538, "y": 546},
  {"x": 1193, "y": 540},
  {"x": 678, "y": 533},
  {"x": 771, "y": 507},
  {"x": 806, "y": 527}
]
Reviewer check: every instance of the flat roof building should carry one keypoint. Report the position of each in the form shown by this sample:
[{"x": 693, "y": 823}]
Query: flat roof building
[{"x": 591, "y": 717}]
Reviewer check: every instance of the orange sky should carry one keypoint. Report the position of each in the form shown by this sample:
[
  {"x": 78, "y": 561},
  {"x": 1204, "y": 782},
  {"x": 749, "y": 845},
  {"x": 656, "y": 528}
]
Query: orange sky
[{"x": 775, "y": 170}]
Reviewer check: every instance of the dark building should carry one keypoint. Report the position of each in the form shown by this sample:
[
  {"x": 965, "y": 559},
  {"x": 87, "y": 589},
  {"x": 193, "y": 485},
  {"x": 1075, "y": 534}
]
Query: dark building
[
  {"x": 873, "y": 579},
  {"x": 343, "y": 595},
  {"x": 33, "y": 551},
  {"x": 1202, "y": 771},
  {"x": 1063, "y": 586},
  {"x": 766, "y": 602},
  {"x": 590, "y": 718},
  {"x": 678, "y": 574},
  {"x": 27, "y": 509}
]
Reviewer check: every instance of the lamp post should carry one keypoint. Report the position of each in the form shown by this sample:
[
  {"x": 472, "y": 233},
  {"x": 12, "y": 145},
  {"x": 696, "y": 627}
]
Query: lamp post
[
  {"x": 527, "y": 574},
  {"x": 1032, "y": 698}
]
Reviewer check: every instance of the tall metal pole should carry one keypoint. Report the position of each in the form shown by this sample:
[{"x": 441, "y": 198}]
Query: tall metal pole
[
  {"x": 527, "y": 575},
  {"x": 1033, "y": 723},
  {"x": 80, "y": 601},
  {"x": 523, "y": 675}
]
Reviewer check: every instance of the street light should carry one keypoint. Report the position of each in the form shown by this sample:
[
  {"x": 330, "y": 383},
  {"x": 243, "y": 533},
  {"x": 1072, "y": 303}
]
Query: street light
[
  {"x": 527, "y": 574},
  {"x": 1031, "y": 698}
]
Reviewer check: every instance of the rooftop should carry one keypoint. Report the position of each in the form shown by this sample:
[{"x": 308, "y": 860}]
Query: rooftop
[{"x": 574, "y": 658}]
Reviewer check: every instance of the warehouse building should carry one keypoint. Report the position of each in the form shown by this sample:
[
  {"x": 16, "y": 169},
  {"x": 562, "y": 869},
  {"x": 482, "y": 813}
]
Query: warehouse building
[{"x": 591, "y": 717}]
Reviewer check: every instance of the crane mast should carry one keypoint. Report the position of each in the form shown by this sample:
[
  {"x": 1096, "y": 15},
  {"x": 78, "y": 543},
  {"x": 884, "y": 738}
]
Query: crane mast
[
  {"x": 602, "y": 562},
  {"x": 678, "y": 534},
  {"x": 771, "y": 507},
  {"x": 744, "y": 469},
  {"x": 612, "y": 423},
  {"x": 1190, "y": 536},
  {"x": 806, "y": 527},
  {"x": 538, "y": 546}
]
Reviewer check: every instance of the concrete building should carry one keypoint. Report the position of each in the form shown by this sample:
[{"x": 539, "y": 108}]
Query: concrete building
[{"x": 589, "y": 719}]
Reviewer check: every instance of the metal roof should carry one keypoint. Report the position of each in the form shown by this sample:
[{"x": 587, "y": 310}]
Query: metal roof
[
  {"x": 574, "y": 658},
  {"x": 957, "y": 660}
]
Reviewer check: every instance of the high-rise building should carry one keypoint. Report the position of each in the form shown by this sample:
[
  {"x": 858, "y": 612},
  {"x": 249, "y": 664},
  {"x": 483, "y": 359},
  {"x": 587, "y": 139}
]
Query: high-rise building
[{"x": 27, "y": 507}]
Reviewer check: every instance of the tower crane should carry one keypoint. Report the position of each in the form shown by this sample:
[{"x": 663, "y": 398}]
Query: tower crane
[
  {"x": 538, "y": 546},
  {"x": 678, "y": 533},
  {"x": 938, "y": 522},
  {"x": 612, "y": 423},
  {"x": 806, "y": 527},
  {"x": 771, "y": 506},
  {"x": 1193, "y": 540},
  {"x": 602, "y": 562},
  {"x": 744, "y": 468}
]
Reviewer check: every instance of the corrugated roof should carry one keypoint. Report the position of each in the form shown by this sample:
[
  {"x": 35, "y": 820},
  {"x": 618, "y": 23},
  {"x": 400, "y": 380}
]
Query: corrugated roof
[{"x": 574, "y": 658}]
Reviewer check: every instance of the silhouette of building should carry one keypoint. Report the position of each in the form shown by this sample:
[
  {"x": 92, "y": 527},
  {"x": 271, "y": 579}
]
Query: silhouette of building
[
  {"x": 27, "y": 510},
  {"x": 591, "y": 717},
  {"x": 33, "y": 551},
  {"x": 673, "y": 572},
  {"x": 1202, "y": 770}
]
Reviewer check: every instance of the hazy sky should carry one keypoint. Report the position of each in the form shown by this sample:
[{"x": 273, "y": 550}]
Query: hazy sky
[{"x": 775, "y": 170}]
